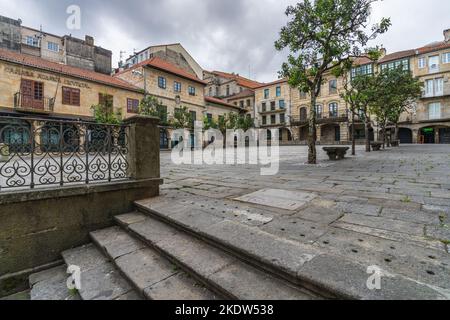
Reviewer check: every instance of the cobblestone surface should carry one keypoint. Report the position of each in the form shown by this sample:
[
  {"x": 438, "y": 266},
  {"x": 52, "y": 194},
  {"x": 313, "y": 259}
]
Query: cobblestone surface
[{"x": 388, "y": 208}]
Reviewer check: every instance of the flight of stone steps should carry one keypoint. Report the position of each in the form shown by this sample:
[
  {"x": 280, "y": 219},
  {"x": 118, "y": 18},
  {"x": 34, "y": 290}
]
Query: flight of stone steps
[
  {"x": 167, "y": 251},
  {"x": 143, "y": 258}
]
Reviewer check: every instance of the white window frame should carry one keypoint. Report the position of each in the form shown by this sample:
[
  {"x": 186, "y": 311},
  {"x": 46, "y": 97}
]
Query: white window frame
[
  {"x": 429, "y": 88},
  {"x": 422, "y": 63},
  {"x": 53, "y": 46},
  {"x": 446, "y": 57},
  {"x": 434, "y": 111},
  {"x": 439, "y": 87},
  {"x": 32, "y": 41},
  {"x": 430, "y": 64}
]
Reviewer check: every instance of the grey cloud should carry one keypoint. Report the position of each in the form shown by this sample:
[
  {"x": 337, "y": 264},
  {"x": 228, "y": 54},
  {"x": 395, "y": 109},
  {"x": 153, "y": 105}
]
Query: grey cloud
[{"x": 229, "y": 35}]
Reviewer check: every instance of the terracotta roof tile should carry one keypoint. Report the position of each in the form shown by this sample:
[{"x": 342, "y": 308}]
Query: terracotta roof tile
[
  {"x": 163, "y": 65},
  {"x": 220, "y": 101},
  {"x": 251, "y": 84},
  {"x": 434, "y": 46},
  {"x": 273, "y": 83},
  {"x": 36, "y": 62},
  {"x": 244, "y": 94},
  {"x": 397, "y": 55}
]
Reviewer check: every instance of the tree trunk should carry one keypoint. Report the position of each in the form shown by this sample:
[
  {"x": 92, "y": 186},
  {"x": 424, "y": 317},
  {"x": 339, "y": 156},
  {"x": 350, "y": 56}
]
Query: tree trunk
[
  {"x": 312, "y": 134},
  {"x": 366, "y": 130},
  {"x": 396, "y": 132},
  {"x": 353, "y": 135}
]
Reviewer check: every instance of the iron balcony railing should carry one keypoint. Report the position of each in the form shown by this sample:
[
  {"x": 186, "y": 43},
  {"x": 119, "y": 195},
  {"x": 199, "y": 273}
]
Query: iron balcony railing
[
  {"x": 42, "y": 152},
  {"x": 33, "y": 103},
  {"x": 320, "y": 119}
]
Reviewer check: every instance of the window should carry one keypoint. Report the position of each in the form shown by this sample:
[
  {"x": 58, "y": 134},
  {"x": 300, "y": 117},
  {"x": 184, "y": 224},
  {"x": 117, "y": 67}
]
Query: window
[
  {"x": 210, "y": 91},
  {"x": 434, "y": 87},
  {"x": 273, "y": 119},
  {"x": 228, "y": 90},
  {"x": 446, "y": 57},
  {"x": 177, "y": 86},
  {"x": 272, "y": 106},
  {"x": 105, "y": 99},
  {"x": 282, "y": 118},
  {"x": 362, "y": 70},
  {"x": 132, "y": 105},
  {"x": 281, "y": 104},
  {"x": 191, "y": 91},
  {"x": 433, "y": 64},
  {"x": 266, "y": 93},
  {"x": 333, "y": 110},
  {"x": 241, "y": 104},
  {"x": 422, "y": 63},
  {"x": 248, "y": 103},
  {"x": 209, "y": 116},
  {"x": 162, "y": 82},
  {"x": 264, "y": 120},
  {"x": 162, "y": 111},
  {"x": 333, "y": 86},
  {"x": 53, "y": 46},
  {"x": 32, "y": 41},
  {"x": 319, "y": 111},
  {"x": 241, "y": 89},
  {"x": 71, "y": 96},
  {"x": 434, "y": 111},
  {"x": 264, "y": 107},
  {"x": 278, "y": 91},
  {"x": 396, "y": 64}
]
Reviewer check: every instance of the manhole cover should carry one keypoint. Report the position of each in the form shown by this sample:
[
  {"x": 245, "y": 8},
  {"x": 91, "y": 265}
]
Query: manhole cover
[{"x": 276, "y": 198}]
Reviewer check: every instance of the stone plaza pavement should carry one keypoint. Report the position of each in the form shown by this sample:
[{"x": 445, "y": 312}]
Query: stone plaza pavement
[{"x": 389, "y": 209}]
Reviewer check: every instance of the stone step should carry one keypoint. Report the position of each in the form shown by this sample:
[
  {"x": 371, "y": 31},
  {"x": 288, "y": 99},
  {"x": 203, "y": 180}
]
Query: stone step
[
  {"x": 51, "y": 284},
  {"x": 152, "y": 275},
  {"x": 100, "y": 280},
  {"x": 222, "y": 273},
  {"x": 305, "y": 266}
]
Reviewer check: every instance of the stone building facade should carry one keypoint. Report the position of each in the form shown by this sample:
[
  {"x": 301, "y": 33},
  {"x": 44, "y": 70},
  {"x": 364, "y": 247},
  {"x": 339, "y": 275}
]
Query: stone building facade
[{"x": 66, "y": 49}]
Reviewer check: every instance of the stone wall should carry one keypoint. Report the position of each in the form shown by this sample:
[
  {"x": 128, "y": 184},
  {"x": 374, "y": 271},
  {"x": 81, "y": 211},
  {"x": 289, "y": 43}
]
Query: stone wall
[
  {"x": 37, "y": 225},
  {"x": 10, "y": 37}
]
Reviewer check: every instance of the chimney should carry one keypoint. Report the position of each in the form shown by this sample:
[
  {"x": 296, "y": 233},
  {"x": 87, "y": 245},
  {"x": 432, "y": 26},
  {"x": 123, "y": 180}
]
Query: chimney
[
  {"x": 383, "y": 52},
  {"x": 447, "y": 35},
  {"x": 89, "y": 40}
]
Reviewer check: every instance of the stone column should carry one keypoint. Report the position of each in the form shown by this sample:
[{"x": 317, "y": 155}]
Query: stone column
[
  {"x": 345, "y": 136},
  {"x": 319, "y": 133},
  {"x": 143, "y": 143},
  {"x": 415, "y": 136}
]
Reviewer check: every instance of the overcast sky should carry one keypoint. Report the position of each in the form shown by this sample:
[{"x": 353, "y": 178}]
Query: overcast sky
[{"x": 227, "y": 35}]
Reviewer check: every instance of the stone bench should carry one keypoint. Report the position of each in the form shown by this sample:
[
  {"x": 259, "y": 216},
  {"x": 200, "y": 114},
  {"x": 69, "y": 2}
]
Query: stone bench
[
  {"x": 4, "y": 152},
  {"x": 336, "y": 153},
  {"x": 376, "y": 146},
  {"x": 395, "y": 143}
]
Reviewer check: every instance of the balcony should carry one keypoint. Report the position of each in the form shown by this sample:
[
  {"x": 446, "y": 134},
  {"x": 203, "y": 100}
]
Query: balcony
[
  {"x": 31, "y": 103},
  {"x": 320, "y": 119}
]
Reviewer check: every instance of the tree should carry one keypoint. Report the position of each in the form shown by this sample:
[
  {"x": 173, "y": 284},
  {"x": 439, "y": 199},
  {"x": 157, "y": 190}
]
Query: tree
[
  {"x": 151, "y": 106},
  {"x": 359, "y": 93},
  {"x": 395, "y": 93},
  {"x": 104, "y": 113},
  {"x": 323, "y": 34},
  {"x": 182, "y": 119}
]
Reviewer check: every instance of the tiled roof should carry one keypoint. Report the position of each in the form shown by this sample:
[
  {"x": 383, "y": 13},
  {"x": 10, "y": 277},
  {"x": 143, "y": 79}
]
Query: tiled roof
[
  {"x": 433, "y": 47},
  {"x": 362, "y": 61},
  {"x": 240, "y": 80},
  {"x": 36, "y": 62},
  {"x": 273, "y": 83},
  {"x": 222, "y": 102},
  {"x": 163, "y": 65},
  {"x": 397, "y": 55},
  {"x": 244, "y": 94}
]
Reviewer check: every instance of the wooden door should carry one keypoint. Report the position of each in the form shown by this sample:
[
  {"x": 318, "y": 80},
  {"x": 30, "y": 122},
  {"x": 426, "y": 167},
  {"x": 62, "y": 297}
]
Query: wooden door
[{"x": 27, "y": 93}]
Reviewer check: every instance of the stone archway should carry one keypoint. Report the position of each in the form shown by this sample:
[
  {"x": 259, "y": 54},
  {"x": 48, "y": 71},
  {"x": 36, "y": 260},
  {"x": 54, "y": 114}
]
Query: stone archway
[
  {"x": 285, "y": 135},
  {"x": 405, "y": 135}
]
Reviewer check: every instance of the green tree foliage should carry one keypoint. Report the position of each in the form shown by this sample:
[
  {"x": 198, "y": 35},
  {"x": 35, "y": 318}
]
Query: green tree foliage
[
  {"x": 320, "y": 35},
  {"x": 182, "y": 119},
  {"x": 396, "y": 92},
  {"x": 151, "y": 106},
  {"x": 105, "y": 114}
]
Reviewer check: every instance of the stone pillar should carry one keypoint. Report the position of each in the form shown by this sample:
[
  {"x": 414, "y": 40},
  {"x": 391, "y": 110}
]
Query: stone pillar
[
  {"x": 345, "y": 136},
  {"x": 143, "y": 143},
  {"x": 415, "y": 136}
]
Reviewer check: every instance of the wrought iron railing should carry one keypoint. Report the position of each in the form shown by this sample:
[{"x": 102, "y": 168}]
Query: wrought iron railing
[
  {"x": 27, "y": 102},
  {"x": 321, "y": 118},
  {"x": 42, "y": 152}
]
